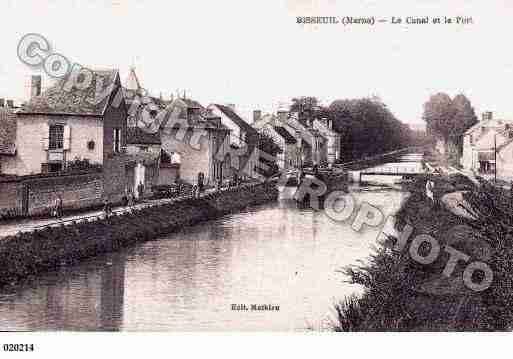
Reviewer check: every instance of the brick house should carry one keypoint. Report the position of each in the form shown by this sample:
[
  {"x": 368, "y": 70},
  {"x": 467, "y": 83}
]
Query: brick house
[{"x": 64, "y": 126}]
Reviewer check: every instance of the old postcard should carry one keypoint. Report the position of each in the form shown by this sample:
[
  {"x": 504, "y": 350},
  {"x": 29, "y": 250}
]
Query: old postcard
[{"x": 270, "y": 166}]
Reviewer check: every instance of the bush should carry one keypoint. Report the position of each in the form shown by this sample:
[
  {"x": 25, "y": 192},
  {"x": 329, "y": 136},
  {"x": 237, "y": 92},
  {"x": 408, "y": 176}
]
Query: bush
[{"x": 394, "y": 295}]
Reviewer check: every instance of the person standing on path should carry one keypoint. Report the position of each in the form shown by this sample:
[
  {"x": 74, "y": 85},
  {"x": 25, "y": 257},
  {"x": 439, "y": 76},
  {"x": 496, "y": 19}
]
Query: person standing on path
[
  {"x": 201, "y": 180},
  {"x": 59, "y": 206},
  {"x": 140, "y": 190}
]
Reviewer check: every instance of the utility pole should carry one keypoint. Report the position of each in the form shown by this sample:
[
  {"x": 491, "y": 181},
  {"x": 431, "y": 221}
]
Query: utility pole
[{"x": 495, "y": 154}]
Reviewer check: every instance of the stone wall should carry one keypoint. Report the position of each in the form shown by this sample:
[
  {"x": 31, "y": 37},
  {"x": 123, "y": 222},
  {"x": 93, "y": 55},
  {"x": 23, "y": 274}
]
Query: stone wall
[
  {"x": 30, "y": 253},
  {"x": 34, "y": 195},
  {"x": 168, "y": 174},
  {"x": 77, "y": 191}
]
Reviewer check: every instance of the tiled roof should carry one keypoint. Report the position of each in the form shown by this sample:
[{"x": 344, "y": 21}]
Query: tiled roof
[
  {"x": 235, "y": 118},
  {"x": 136, "y": 135},
  {"x": 91, "y": 100},
  {"x": 203, "y": 119},
  {"x": 7, "y": 131},
  {"x": 285, "y": 134},
  {"x": 491, "y": 123}
]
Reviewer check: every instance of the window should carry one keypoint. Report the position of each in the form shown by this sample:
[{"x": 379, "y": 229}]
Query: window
[
  {"x": 51, "y": 167},
  {"x": 117, "y": 137},
  {"x": 54, "y": 167},
  {"x": 56, "y": 137}
]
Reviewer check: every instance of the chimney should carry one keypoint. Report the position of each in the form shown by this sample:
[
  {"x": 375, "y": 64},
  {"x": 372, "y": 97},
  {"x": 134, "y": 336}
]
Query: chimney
[
  {"x": 257, "y": 116},
  {"x": 231, "y": 106},
  {"x": 10, "y": 103},
  {"x": 2, "y": 102},
  {"x": 487, "y": 115},
  {"x": 35, "y": 86}
]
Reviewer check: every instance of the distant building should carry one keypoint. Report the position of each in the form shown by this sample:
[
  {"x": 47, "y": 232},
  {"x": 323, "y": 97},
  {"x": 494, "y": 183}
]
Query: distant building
[
  {"x": 480, "y": 141},
  {"x": 290, "y": 156},
  {"x": 504, "y": 163},
  {"x": 316, "y": 142},
  {"x": 242, "y": 137},
  {"x": 325, "y": 128},
  {"x": 313, "y": 145}
]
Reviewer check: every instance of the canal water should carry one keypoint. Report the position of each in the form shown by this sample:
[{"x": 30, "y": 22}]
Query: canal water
[{"x": 276, "y": 254}]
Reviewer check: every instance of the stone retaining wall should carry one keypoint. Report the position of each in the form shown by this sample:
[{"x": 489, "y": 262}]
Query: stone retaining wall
[{"x": 27, "y": 254}]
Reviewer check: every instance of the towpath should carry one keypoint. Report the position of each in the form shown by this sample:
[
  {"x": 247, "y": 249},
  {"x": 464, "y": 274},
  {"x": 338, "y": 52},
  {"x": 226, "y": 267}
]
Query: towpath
[{"x": 11, "y": 228}]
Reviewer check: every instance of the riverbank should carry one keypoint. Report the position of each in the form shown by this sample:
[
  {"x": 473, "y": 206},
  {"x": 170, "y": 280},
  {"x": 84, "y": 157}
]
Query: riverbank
[
  {"x": 28, "y": 254},
  {"x": 401, "y": 294}
]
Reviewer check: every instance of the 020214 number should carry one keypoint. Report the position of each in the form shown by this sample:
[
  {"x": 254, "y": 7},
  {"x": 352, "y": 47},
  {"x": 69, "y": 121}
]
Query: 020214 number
[{"x": 18, "y": 347}]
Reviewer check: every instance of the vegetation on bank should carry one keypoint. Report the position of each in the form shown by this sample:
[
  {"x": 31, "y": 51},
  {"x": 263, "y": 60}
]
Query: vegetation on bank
[
  {"x": 28, "y": 254},
  {"x": 403, "y": 295}
]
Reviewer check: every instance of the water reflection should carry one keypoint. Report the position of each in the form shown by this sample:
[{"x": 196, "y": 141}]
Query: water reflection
[
  {"x": 272, "y": 254},
  {"x": 87, "y": 297}
]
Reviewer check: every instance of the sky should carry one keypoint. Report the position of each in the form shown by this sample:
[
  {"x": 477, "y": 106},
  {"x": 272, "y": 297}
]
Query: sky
[{"x": 253, "y": 53}]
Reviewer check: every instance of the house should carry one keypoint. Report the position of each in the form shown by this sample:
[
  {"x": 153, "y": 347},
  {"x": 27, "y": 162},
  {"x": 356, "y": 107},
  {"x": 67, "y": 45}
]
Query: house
[
  {"x": 65, "y": 128},
  {"x": 7, "y": 138},
  {"x": 143, "y": 137},
  {"x": 504, "y": 160},
  {"x": 195, "y": 139},
  {"x": 325, "y": 127},
  {"x": 313, "y": 145},
  {"x": 143, "y": 151},
  {"x": 242, "y": 138},
  {"x": 315, "y": 138},
  {"x": 480, "y": 141},
  {"x": 290, "y": 155}
]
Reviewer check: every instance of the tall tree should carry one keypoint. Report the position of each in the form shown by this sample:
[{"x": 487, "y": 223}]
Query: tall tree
[
  {"x": 439, "y": 115},
  {"x": 448, "y": 119},
  {"x": 367, "y": 127},
  {"x": 304, "y": 103},
  {"x": 465, "y": 116}
]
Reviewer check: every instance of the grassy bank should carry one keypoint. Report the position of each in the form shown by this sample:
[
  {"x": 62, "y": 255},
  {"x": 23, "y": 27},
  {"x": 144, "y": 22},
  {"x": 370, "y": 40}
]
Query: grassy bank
[
  {"x": 28, "y": 254},
  {"x": 401, "y": 294}
]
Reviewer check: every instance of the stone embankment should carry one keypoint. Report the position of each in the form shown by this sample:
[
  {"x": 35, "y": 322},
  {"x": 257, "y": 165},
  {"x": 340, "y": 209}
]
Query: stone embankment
[{"x": 28, "y": 254}]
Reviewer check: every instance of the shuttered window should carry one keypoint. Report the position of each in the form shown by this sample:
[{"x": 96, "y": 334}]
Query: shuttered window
[{"x": 56, "y": 137}]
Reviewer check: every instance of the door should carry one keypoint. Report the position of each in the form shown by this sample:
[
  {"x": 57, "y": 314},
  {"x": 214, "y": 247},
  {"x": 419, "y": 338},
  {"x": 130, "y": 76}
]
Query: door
[{"x": 139, "y": 174}]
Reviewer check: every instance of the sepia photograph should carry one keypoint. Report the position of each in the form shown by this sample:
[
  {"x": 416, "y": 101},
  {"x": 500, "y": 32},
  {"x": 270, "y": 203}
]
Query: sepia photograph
[{"x": 315, "y": 167}]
